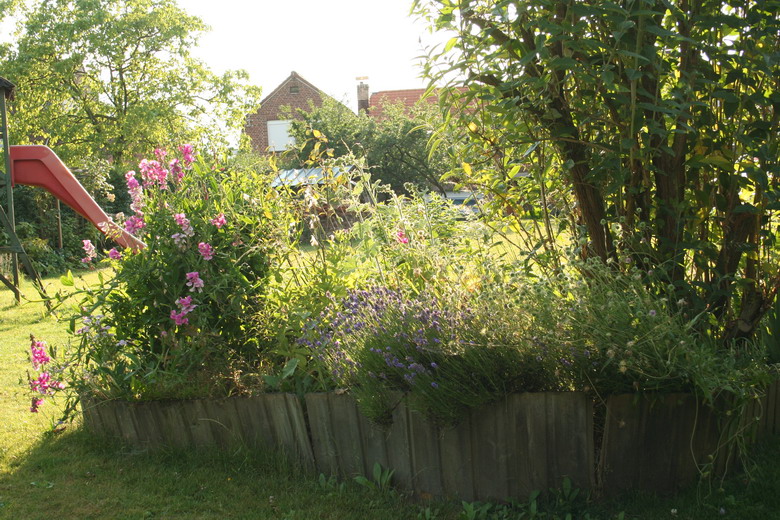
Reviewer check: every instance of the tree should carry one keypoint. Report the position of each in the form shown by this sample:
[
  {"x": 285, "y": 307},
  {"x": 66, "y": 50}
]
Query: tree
[
  {"x": 395, "y": 146},
  {"x": 661, "y": 117},
  {"x": 112, "y": 79}
]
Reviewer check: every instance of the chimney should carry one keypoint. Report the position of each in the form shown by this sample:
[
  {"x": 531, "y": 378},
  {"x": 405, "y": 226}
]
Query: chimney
[{"x": 362, "y": 95}]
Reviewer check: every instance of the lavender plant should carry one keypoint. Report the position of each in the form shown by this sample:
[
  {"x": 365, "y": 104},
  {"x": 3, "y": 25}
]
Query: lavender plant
[{"x": 445, "y": 355}]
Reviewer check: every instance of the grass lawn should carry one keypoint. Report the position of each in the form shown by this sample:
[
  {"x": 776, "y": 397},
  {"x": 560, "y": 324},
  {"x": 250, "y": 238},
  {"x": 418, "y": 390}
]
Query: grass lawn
[{"x": 70, "y": 475}]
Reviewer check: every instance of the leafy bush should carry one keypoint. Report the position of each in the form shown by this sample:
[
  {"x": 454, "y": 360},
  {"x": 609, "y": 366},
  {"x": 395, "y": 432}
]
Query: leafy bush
[
  {"x": 613, "y": 335},
  {"x": 178, "y": 315}
]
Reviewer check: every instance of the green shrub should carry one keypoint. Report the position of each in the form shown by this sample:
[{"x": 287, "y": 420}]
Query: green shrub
[{"x": 177, "y": 316}]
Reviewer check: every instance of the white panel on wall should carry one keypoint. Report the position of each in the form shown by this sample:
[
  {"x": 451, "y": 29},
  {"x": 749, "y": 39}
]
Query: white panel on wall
[{"x": 279, "y": 135}]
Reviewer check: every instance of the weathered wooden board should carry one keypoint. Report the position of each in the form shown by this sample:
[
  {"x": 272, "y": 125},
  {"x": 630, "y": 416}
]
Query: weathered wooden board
[
  {"x": 656, "y": 444},
  {"x": 346, "y": 434},
  {"x": 148, "y": 427},
  {"x": 773, "y": 409},
  {"x": 285, "y": 414},
  {"x": 426, "y": 459},
  {"x": 492, "y": 449},
  {"x": 174, "y": 424},
  {"x": 399, "y": 457},
  {"x": 374, "y": 445},
  {"x": 499, "y": 451},
  {"x": 322, "y": 434},
  {"x": 254, "y": 422},
  {"x": 457, "y": 460},
  {"x": 127, "y": 427}
]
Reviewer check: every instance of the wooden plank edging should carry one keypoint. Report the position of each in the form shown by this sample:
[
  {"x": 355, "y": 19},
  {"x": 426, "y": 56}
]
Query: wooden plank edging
[{"x": 508, "y": 449}]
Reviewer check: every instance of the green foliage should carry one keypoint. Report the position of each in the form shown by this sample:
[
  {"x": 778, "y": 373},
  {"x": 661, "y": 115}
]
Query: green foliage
[
  {"x": 564, "y": 503},
  {"x": 656, "y": 122},
  {"x": 611, "y": 335},
  {"x": 381, "y": 479},
  {"x": 110, "y": 79},
  {"x": 179, "y": 315},
  {"x": 394, "y": 145}
]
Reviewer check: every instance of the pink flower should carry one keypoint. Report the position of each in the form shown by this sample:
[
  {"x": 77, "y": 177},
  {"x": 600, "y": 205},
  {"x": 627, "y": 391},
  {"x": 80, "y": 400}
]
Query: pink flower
[
  {"x": 45, "y": 384},
  {"x": 153, "y": 173},
  {"x": 184, "y": 223},
  {"x": 132, "y": 182},
  {"x": 38, "y": 354},
  {"x": 180, "y": 239},
  {"x": 134, "y": 224},
  {"x": 219, "y": 220},
  {"x": 113, "y": 254},
  {"x": 187, "y": 154},
  {"x": 90, "y": 250},
  {"x": 185, "y": 307},
  {"x": 185, "y": 304},
  {"x": 160, "y": 153},
  {"x": 176, "y": 169},
  {"x": 36, "y": 403},
  {"x": 401, "y": 237},
  {"x": 179, "y": 318},
  {"x": 194, "y": 282},
  {"x": 206, "y": 250}
]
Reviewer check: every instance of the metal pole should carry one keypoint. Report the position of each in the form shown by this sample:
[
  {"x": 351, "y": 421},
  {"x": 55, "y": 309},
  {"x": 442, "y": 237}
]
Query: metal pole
[
  {"x": 9, "y": 198},
  {"x": 59, "y": 225}
]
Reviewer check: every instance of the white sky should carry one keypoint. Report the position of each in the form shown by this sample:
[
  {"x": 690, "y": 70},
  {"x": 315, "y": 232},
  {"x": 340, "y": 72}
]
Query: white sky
[{"x": 327, "y": 42}]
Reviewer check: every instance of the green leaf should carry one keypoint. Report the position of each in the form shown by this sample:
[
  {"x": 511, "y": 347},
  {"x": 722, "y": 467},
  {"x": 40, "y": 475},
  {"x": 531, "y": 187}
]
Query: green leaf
[
  {"x": 451, "y": 43},
  {"x": 289, "y": 368},
  {"x": 67, "y": 280}
]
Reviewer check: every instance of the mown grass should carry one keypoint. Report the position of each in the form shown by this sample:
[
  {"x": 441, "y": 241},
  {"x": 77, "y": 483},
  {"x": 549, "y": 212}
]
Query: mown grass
[{"x": 70, "y": 475}]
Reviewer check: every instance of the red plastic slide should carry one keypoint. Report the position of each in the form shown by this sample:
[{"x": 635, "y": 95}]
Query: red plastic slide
[{"x": 35, "y": 165}]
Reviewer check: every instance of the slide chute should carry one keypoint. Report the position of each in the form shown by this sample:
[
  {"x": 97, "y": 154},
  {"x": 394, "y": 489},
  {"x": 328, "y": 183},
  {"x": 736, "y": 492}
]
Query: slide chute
[{"x": 36, "y": 165}]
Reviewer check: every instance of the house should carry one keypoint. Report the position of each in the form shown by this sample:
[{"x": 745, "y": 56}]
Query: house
[{"x": 269, "y": 127}]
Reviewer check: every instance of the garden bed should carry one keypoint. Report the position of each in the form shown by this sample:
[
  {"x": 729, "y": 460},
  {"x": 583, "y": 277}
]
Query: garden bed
[{"x": 505, "y": 450}]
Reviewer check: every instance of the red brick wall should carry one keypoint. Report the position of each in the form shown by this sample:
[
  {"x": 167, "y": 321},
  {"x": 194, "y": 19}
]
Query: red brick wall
[{"x": 284, "y": 95}]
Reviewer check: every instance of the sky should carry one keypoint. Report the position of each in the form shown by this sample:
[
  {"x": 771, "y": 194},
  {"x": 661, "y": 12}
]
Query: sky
[{"x": 329, "y": 43}]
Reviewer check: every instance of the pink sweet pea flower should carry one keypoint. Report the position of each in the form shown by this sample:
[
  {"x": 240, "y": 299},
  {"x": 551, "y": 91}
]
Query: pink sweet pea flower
[
  {"x": 134, "y": 224},
  {"x": 194, "y": 282},
  {"x": 38, "y": 354},
  {"x": 113, "y": 254},
  {"x": 36, "y": 403},
  {"x": 219, "y": 220},
  {"x": 187, "y": 154},
  {"x": 90, "y": 250},
  {"x": 179, "y": 318},
  {"x": 401, "y": 237},
  {"x": 186, "y": 305},
  {"x": 43, "y": 384},
  {"x": 206, "y": 250},
  {"x": 153, "y": 173},
  {"x": 176, "y": 169},
  {"x": 184, "y": 223}
]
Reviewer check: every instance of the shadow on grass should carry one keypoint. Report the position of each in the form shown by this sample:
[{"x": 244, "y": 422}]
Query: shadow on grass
[
  {"x": 75, "y": 476},
  {"x": 72, "y": 475}
]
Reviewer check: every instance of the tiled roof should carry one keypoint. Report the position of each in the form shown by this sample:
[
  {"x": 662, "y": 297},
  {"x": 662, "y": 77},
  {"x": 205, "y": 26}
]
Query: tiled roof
[
  {"x": 391, "y": 97},
  {"x": 408, "y": 97}
]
